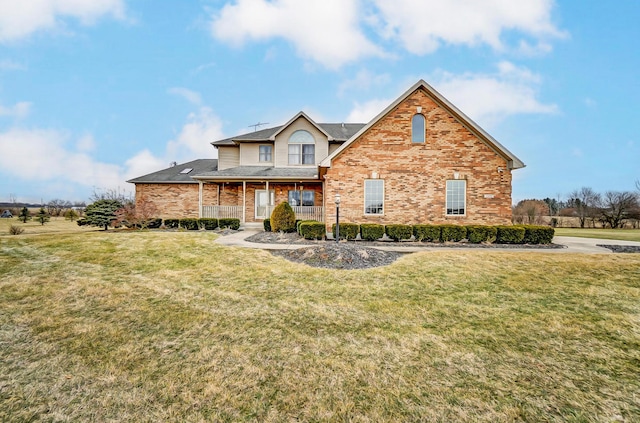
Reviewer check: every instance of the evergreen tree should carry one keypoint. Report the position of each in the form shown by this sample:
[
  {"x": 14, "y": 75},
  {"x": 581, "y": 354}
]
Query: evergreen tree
[
  {"x": 24, "y": 215},
  {"x": 102, "y": 213},
  {"x": 42, "y": 216}
]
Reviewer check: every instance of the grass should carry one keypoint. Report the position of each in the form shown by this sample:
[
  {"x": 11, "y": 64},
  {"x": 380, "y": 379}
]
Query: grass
[
  {"x": 619, "y": 234},
  {"x": 155, "y": 326}
]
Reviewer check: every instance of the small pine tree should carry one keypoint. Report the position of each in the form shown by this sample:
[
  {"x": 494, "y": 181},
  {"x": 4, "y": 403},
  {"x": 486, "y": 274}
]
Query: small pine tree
[
  {"x": 71, "y": 215},
  {"x": 24, "y": 215},
  {"x": 283, "y": 218},
  {"x": 102, "y": 213},
  {"x": 42, "y": 216}
]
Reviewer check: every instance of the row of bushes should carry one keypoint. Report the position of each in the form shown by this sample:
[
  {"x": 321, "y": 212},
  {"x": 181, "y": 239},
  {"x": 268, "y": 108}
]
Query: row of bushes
[
  {"x": 207, "y": 223},
  {"x": 521, "y": 234}
]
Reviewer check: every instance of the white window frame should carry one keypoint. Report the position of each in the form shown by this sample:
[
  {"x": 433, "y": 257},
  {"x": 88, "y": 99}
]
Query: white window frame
[
  {"x": 423, "y": 138},
  {"x": 299, "y": 140},
  {"x": 269, "y": 153},
  {"x": 366, "y": 182},
  {"x": 449, "y": 191}
]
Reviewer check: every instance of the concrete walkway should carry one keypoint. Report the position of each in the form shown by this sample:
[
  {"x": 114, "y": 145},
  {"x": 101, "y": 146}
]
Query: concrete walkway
[{"x": 572, "y": 244}]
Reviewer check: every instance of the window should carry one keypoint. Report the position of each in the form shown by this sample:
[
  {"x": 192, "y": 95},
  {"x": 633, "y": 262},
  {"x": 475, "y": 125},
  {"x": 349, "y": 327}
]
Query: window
[
  {"x": 186, "y": 170},
  {"x": 308, "y": 198},
  {"x": 417, "y": 129},
  {"x": 456, "y": 197},
  {"x": 373, "y": 196},
  {"x": 302, "y": 149},
  {"x": 265, "y": 153}
]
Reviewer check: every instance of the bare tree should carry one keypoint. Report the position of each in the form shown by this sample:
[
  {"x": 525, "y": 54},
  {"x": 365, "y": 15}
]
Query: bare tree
[
  {"x": 57, "y": 206},
  {"x": 530, "y": 211},
  {"x": 618, "y": 206},
  {"x": 585, "y": 201}
]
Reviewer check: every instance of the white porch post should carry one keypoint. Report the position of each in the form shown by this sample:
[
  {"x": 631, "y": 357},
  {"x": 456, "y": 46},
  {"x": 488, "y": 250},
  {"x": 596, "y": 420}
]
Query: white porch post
[
  {"x": 200, "y": 184},
  {"x": 244, "y": 201},
  {"x": 268, "y": 212}
]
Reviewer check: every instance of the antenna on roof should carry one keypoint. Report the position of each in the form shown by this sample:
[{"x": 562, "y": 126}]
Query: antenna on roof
[{"x": 255, "y": 126}]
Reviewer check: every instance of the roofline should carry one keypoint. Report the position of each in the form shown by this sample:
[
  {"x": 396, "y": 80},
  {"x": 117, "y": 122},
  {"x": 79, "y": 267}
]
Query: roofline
[
  {"x": 512, "y": 160},
  {"x": 133, "y": 181},
  {"x": 293, "y": 119},
  {"x": 255, "y": 178}
]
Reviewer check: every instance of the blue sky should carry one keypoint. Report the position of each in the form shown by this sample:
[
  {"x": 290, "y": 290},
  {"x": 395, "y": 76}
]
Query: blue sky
[{"x": 94, "y": 92}]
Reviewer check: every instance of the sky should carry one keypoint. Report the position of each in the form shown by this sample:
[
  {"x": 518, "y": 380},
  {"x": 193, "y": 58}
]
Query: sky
[{"x": 96, "y": 92}]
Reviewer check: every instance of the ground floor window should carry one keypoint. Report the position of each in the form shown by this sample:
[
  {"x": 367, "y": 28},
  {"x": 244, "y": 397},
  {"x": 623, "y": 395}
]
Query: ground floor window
[
  {"x": 374, "y": 196},
  {"x": 456, "y": 197},
  {"x": 302, "y": 198}
]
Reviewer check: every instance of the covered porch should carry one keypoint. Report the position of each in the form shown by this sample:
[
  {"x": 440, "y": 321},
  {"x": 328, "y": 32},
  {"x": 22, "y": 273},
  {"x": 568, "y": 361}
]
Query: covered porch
[{"x": 252, "y": 201}]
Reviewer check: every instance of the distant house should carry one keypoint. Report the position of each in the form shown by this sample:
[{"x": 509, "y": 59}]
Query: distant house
[{"x": 421, "y": 160}]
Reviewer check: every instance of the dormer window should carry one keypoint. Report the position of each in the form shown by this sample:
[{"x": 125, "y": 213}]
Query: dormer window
[
  {"x": 302, "y": 149},
  {"x": 418, "y": 129}
]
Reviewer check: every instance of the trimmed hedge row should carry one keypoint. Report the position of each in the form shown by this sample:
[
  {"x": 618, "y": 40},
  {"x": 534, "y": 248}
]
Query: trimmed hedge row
[
  {"x": 194, "y": 224},
  {"x": 522, "y": 234}
]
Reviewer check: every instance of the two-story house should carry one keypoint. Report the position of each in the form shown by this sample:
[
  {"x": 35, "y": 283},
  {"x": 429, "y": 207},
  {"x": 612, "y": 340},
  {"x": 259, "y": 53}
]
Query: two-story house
[{"x": 421, "y": 160}]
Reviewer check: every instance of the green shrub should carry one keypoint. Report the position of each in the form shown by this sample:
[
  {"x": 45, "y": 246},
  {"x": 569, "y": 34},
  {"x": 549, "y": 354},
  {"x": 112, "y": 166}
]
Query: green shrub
[
  {"x": 300, "y": 222},
  {"x": 229, "y": 222},
  {"x": 153, "y": 223},
  {"x": 454, "y": 233},
  {"x": 208, "y": 223},
  {"x": 311, "y": 229},
  {"x": 171, "y": 223},
  {"x": 267, "y": 224},
  {"x": 538, "y": 234},
  {"x": 347, "y": 230},
  {"x": 371, "y": 231},
  {"x": 427, "y": 233},
  {"x": 398, "y": 232},
  {"x": 510, "y": 234},
  {"x": 283, "y": 218},
  {"x": 480, "y": 233},
  {"x": 189, "y": 223}
]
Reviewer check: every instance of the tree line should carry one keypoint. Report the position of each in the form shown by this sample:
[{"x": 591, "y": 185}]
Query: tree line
[{"x": 612, "y": 209}]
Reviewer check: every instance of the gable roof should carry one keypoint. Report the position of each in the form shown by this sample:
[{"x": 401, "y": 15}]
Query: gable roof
[
  {"x": 337, "y": 132},
  {"x": 174, "y": 174},
  {"x": 513, "y": 161}
]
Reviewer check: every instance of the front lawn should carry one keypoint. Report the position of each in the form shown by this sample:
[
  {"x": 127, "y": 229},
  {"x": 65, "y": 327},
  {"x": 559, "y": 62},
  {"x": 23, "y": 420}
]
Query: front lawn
[
  {"x": 619, "y": 234},
  {"x": 169, "y": 326}
]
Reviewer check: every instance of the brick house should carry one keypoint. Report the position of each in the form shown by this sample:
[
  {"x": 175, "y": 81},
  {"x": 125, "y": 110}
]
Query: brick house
[{"x": 421, "y": 160}]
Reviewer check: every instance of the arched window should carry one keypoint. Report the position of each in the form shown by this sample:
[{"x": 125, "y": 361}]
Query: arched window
[
  {"x": 418, "y": 128},
  {"x": 302, "y": 149}
]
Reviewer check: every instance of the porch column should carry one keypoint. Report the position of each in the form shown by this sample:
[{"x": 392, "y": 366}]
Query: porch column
[
  {"x": 268, "y": 212},
  {"x": 244, "y": 201},
  {"x": 200, "y": 184}
]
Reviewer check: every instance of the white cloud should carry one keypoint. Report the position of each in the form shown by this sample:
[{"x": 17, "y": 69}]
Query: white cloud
[
  {"x": 43, "y": 155},
  {"x": 10, "y": 65},
  {"x": 20, "y": 19},
  {"x": 489, "y": 98},
  {"x": 326, "y": 31},
  {"x": 336, "y": 32},
  {"x": 189, "y": 95},
  {"x": 364, "y": 112},
  {"x": 422, "y": 27},
  {"x": 86, "y": 143},
  {"x": 19, "y": 110}
]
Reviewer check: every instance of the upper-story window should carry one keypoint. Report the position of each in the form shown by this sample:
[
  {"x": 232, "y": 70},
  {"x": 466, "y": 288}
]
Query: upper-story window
[
  {"x": 302, "y": 148},
  {"x": 418, "y": 128},
  {"x": 265, "y": 153}
]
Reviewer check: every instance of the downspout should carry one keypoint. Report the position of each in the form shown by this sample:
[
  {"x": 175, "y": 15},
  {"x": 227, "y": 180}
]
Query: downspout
[{"x": 200, "y": 185}]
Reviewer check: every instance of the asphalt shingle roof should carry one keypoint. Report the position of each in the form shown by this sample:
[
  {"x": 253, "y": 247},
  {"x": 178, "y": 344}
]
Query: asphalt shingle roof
[
  {"x": 174, "y": 174},
  {"x": 262, "y": 172},
  {"x": 339, "y": 131}
]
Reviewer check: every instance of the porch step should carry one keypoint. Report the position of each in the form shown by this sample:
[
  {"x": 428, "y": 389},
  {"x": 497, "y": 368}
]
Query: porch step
[{"x": 252, "y": 225}]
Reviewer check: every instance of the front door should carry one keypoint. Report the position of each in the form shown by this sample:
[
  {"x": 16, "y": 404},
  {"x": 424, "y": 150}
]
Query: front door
[{"x": 264, "y": 199}]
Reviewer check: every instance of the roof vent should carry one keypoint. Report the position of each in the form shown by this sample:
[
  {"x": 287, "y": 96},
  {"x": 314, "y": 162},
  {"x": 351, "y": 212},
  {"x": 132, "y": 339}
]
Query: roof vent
[{"x": 172, "y": 164}]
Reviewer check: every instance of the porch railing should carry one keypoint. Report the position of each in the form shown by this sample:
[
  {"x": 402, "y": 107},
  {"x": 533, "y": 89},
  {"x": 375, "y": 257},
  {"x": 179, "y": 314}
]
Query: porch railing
[
  {"x": 302, "y": 212},
  {"x": 222, "y": 212}
]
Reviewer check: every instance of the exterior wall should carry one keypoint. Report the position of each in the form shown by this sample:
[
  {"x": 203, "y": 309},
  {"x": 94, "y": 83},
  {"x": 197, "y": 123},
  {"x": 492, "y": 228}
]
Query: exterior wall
[
  {"x": 175, "y": 200},
  {"x": 415, "y": 175},
  {"x": 228, "y": 157},
  {"x": 250, "y": 154},
  {"x": 333, "y": 147},
  {"x": 281, "y": 149}
]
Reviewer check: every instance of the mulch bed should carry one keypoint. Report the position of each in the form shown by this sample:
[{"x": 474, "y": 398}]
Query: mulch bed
[
  {"x": 621, "y": 248},
  {"x": 339, "y": 256}
]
